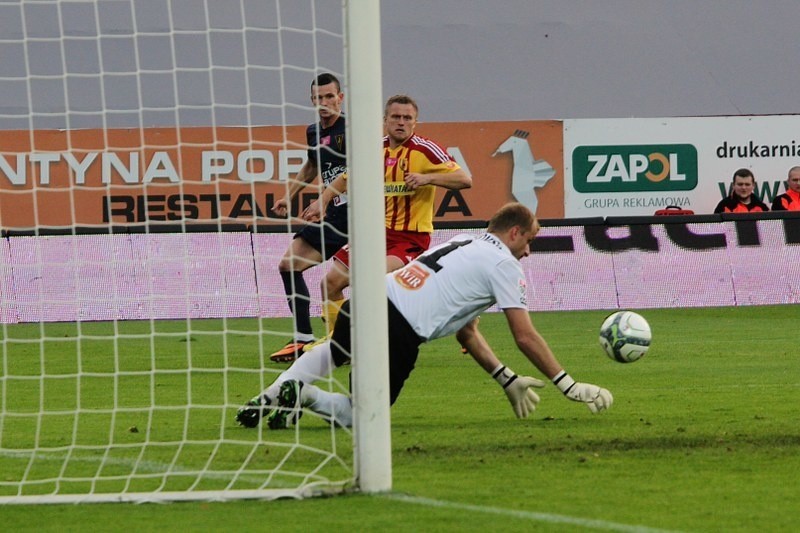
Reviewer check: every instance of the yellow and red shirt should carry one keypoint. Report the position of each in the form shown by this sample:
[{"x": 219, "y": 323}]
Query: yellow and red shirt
[{"x": 412, "y": 210}]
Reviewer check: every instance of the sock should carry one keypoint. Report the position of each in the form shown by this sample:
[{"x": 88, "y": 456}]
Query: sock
[
  {"x": 315, "y": 364},
  {"x": 334, "y": 406},
  {"x": 299, "y": 299},
  {"x": 332, "y": 308}
]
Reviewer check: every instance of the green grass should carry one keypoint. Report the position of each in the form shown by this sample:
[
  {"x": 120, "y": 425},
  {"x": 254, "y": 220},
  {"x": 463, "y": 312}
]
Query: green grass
[{"x": 703, "y": 434}]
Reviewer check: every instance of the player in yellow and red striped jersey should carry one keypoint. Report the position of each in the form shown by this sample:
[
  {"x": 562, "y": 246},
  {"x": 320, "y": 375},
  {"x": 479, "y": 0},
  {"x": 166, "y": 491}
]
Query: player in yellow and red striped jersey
[{"x": 413, "y": 167}]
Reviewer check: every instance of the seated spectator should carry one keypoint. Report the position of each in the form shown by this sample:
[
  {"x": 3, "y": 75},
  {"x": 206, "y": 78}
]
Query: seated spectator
[
  {"x": 742, "y": 199},
  {"x": 790, "y": 200}
]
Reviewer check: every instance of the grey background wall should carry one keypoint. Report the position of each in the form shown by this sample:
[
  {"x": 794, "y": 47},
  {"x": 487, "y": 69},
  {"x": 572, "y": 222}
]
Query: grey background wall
[
  {"x": 144, "y": 62},
  {"x": 534, "y": 59}
]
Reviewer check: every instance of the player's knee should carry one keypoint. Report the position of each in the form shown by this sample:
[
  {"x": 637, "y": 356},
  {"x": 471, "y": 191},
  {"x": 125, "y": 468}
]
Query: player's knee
[
  {"x": 333, "y": 286},
  {"x": 328, "y": 287},
  {"x": 297, "y": 260},
  {"x": 394, "y": 263}
]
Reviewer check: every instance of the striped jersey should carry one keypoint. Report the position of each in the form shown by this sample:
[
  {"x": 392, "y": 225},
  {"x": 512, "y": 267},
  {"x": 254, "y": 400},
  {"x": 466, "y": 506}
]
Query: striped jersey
[
  {"x": 446, "y": 287},
  {"x": 412, "y": 210}
]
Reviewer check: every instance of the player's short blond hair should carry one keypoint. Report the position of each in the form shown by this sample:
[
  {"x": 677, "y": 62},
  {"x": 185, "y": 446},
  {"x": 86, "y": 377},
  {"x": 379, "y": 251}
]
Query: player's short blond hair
[
  {"x": 510, "y": 215},
  {"x": 400, "y": 99}
]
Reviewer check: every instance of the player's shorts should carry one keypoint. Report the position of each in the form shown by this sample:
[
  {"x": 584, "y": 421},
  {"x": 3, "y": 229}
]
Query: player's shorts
[
  {"x": 404, "y": 346},
  {"x": 405, "y": 245},
  {"x": 327, "y": 240}
]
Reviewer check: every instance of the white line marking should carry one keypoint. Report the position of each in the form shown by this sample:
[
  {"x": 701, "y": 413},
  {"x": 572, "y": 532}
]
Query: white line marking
[{"x": 549, "y": 518}]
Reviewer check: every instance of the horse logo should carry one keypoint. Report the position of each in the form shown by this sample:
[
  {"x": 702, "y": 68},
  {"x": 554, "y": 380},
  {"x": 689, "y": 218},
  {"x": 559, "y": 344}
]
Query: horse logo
[{"x": 527, "y": 173}]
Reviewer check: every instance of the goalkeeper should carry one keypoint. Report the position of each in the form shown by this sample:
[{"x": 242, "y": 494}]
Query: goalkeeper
[{"x": 440, "y": 293}]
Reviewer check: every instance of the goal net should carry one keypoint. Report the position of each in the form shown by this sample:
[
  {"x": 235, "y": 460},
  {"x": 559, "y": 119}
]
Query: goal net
[{"x": 145, "y": 145}]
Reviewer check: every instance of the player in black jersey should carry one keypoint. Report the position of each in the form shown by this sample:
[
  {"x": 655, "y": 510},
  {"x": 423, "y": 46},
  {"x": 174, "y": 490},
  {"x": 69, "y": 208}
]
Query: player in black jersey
[{"x": 315, "y": 243}]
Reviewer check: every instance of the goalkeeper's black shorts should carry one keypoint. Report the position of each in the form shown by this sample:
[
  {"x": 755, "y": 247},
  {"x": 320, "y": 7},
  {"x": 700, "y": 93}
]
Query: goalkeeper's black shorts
[{"x": 403, "y": 346}]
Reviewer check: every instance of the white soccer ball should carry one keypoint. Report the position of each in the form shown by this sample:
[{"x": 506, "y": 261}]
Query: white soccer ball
[{"x": 625, "y": 336}]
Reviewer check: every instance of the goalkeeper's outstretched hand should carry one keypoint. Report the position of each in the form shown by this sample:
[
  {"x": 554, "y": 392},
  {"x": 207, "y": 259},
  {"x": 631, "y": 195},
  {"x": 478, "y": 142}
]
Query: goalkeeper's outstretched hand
[
  {"x": 596, "y": 398},
  {"x": 518, "y": 390},
  {"x": 520, "y": 394}
]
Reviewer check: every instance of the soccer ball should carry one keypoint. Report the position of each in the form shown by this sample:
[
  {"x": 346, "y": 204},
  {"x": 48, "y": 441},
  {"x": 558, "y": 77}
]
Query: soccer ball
[{"x": 625, "y": 336}]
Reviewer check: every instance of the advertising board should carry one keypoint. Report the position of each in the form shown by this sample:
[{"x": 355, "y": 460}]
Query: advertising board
[{"x": 631, "y": 167}]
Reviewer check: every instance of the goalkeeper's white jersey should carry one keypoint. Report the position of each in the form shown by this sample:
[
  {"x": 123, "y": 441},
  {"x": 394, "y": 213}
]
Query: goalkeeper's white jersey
[{"x": 450, "y": 284}]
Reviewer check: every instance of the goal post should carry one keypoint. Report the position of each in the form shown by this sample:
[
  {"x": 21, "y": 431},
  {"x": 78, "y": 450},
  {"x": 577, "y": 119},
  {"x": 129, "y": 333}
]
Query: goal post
[
  {"x": 368, "y": 242},
  {"x": 145, "y": 145}
]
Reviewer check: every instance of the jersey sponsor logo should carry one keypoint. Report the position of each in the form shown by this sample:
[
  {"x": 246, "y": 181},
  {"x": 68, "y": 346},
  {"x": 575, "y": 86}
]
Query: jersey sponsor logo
[
  {"x": 329, "y": 175},
  {"x": 325, "y": 141},
  {"x": 390, "y": 162},
  {"x": 332, "y": 172},
  {"x": 411, "y": 277},
  {"x": 396, "y": 189}
]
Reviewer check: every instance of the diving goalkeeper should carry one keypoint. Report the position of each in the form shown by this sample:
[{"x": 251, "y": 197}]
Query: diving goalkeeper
[{"x": 440, "y": 293}]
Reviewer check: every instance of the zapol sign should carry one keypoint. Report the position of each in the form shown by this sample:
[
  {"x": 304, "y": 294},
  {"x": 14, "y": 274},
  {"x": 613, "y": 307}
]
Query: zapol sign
[{"x": 634, "y": 168}]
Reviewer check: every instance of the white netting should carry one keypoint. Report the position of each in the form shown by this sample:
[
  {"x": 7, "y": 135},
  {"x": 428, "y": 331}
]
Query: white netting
[{"x": 144, "y": 144}]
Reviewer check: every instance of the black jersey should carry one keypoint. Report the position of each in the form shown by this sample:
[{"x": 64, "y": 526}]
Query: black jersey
[
  {"x": 731, "y": 204},
  {"x": 788, "y": 201},
  {"x": 328, "y": 148}
]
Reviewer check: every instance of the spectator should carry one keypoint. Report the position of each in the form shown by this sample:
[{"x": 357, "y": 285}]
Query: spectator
[
  {"x": 741, "y": 198},
  {"x": 790, "y": 200}
]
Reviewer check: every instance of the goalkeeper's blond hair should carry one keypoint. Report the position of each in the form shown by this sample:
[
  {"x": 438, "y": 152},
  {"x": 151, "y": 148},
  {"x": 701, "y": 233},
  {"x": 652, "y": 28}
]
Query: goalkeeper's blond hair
[{"x": 510, "y": 215}]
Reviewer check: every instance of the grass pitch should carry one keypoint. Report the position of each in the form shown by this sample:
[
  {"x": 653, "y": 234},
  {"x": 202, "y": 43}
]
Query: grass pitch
[{"x": 703, "y": 436}]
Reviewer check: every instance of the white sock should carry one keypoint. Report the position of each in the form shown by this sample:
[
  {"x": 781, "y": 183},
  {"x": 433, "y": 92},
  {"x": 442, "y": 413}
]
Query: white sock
[
  {"x": 304, "y": 337},
  {"x": 315, "y": 364},
  {"x": 334, "y": 406}
]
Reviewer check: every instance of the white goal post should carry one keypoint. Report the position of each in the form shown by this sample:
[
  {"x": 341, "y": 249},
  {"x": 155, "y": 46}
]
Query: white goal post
[
  {"x": 368, "y": 238},
  {"x": 145, "y": 144}
]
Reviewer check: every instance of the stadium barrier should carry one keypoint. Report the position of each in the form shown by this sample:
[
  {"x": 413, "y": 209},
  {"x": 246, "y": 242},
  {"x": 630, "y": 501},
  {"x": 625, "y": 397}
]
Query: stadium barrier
[{"x": 595, "y": 263}]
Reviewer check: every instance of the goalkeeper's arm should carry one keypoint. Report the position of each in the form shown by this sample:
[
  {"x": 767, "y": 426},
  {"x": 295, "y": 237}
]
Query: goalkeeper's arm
[
  {"x": 535, "y": 348},
  {"x": 518, "y": 389}
]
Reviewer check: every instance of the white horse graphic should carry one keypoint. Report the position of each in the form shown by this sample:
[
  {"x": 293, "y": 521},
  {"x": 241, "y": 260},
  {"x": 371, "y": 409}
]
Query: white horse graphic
[{"x": 528, "y": 173}]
